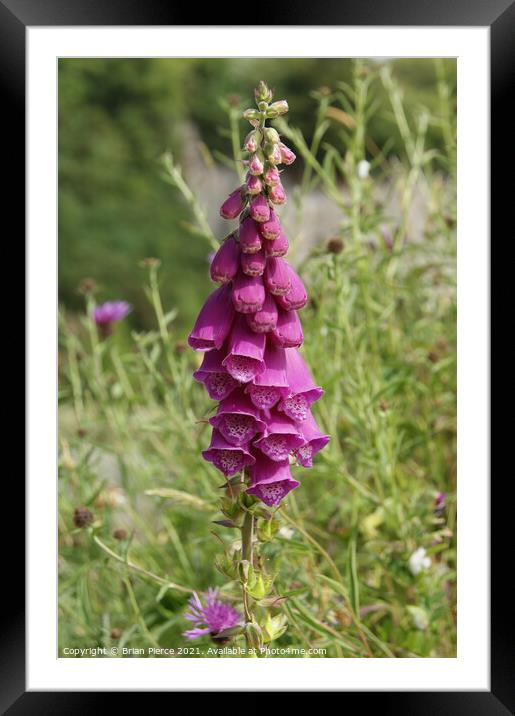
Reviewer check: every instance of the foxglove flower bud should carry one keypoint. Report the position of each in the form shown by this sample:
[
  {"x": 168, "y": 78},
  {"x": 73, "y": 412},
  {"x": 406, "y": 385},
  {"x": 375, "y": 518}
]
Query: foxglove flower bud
[
  {"x": 277, "y": 108},
  {"x": 214, "y": 321},
  {"x": 271, "y": 135},
  {"x": 246, "y": 350},
  {"x": 314, "y": 441},
  {"x": 253, "y": 140},
  {"x": 276, "y": 194},
  {"x": 234, "y": 204},
  {"x": 270, "y": 481},
  {"x": 296, "y": 297},
  {"x": 277, "y": 247},
  {"x": 237, "y": 419},
  {"x": 228, "y": 458},
  {"x": 254, "y": 184},
  {"x": 250, "y": 239},
  {"x": 303, "y": 391},
  {"x": 272, "y": 228},
  {"x": 219, "y": 384},
  {"x": 287, "y": 156},
  {"x": 256, "y": 163},
  {"x": 271, "y": 176},
  {"x": 264, "y": 320},
  {"x": 260, "y": 209},
  {"x": 253, "y": 264},
  {"x": 272, "y": 153},
  {"x": 288, "y": 332},
  {"x": 281, "y": 438},
  {"x": 263, "y": 93},
  {"x": 277, "y": 276},
  {"x": 250, "y": 114},
  {"x": 224, "y": 265},
  {"x": 248, "y": 293}
]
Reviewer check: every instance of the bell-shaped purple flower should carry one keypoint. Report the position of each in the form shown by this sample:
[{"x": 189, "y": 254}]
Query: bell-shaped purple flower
[
  {"x": 303, "y": 391},
  {"x": 228, "y": 458},
  {"x": 276, "y": 194},
  {"x": 264, "y": 320},
  {"x": 277, "y": 276},
  {"x": 250, "y": 239},
  {"x": 234, "y": 204},
  {"x": 270, "y": 481},
  {"x": 248, "y": 293},
  {"x": 214, "y": 321},
  {"x": 271, "y": 385},
  {"x": 225, "y": 263},
  {"x": 237, "y": 419},
  {"x": 253, "y": 264},
  {"x": 278, "y": 247},
  {"x": 314, "y": 441},
  {"x": 281, "y": 438},
  {"x": 296, "y": 297},
  {"x": 288, "y": 331},
  {"x": 219, "y": 384},
  {"x": 272, "y": 228},
  {"x": 260, "y": 209},
  {"x": 246, "y": 350}
]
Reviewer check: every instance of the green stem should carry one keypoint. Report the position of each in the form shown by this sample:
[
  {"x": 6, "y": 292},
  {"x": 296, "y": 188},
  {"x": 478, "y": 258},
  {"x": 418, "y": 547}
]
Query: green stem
[{"x": 247, "y": 535}]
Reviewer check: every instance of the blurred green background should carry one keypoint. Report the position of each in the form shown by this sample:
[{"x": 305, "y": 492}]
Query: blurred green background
[{"x": 118, "y": 116}]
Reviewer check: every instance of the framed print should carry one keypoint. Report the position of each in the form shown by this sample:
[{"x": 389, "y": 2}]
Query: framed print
[{"x": 258, "y": 286}]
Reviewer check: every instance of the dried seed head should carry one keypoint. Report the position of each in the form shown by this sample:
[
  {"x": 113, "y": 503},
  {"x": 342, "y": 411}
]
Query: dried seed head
[{"x": 82, "y": 517}]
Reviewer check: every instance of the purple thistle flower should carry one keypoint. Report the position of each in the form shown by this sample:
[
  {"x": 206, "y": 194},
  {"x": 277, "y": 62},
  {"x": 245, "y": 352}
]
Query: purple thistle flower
[
  {"x": 250, "y": 331},
  {"x": 110, "y": 312},
  {"x": 211, "y": 619}
]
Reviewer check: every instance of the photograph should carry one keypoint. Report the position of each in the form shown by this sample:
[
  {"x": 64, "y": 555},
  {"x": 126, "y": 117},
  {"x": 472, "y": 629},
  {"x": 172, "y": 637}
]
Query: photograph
[{"x": 257, "y": 392}]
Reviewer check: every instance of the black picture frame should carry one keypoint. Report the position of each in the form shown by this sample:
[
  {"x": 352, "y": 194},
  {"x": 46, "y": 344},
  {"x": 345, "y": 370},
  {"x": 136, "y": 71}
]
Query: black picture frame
[{"x": 499, "y": 16}]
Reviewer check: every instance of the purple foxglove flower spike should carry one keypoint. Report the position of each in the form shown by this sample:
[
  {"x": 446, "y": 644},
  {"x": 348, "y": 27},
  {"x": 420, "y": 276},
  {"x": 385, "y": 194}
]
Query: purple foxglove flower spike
[
  {"x": 219, "y": 384},
  {"x": 214, "y": 321},
  {"x": 254, "y": 184},
  {"x": 224, "y": 265},
  {"x": 314, "y": 441},
  {"x": 250, "y": 331},
  {"x": 260, "y": 209},
  {"x": 287, "y": 156},
  {"x": 253, "y": 264},
  {"x": 272, "y": 228},
  {"x": 288, "y": 331},
  {"x": 213, "y": 619},
  {"x": 248, "y": 293},
  {"x": 227, "y": 458},
  {"x": 276, "y": 194},
  {"x": 296, "y": 297},
  {"x": 234, "y": 204},
  {"x": 303, "y": 391},
  {"x": 264, "y": 320},
  {"x": 281, "y": 438},
  {"x": 277, "y": 247},
  {"x": 270, "y": 481},
  {"x": 246, "y": 350},
  {"x": 250, "y": 239},
  {"x": 277, "y": 276},
  {"x": 237, "y": 419}
]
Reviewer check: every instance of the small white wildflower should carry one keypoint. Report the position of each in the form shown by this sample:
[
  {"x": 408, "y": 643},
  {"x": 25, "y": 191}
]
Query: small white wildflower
[
  {"x": 286, "y": 532},
  {"x": 419, "y": 561},
  {"x": 363, "y": 169},
  {"x": 419, "y": 617}
]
